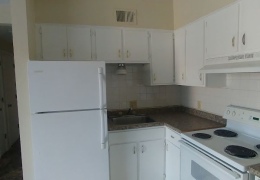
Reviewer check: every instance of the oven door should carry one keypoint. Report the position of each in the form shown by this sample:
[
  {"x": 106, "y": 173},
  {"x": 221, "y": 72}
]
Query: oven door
[{"x": 197, "y": 166}]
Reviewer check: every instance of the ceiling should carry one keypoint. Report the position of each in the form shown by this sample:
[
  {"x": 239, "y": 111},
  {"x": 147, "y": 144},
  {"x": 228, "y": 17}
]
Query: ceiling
[
  {"x": 6, "y": 32},
  {"x": 4, "y": 1}
]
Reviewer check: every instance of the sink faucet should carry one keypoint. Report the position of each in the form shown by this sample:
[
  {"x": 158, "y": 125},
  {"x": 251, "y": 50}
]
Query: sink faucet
[{"x": 130, "y": 111}]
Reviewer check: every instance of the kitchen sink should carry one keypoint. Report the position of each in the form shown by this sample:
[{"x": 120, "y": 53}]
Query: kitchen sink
[{"x": 131, "y": 119}]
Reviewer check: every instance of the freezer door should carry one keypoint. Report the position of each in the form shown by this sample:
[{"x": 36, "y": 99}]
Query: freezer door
[
  {"x": 66, "y": 85},
  {"x": 67, "y": 146}
]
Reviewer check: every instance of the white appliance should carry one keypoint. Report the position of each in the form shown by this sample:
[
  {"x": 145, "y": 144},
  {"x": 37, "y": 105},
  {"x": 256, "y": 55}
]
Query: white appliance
[
  {"x": 223, "y": 153},
  {"x": 69, "y": 120}
]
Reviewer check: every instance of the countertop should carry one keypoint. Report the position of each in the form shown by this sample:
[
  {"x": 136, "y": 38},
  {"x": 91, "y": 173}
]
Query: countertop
[
  {"x": 255, "y": 170},
  {"x": 178, "y": 120}
]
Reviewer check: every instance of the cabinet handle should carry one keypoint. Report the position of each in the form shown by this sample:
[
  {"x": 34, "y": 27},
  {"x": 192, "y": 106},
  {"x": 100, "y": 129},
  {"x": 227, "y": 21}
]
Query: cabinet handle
[
  {"x": 233, "y": 41},
  {"x": 142, "y": 148},
  {"x": 64, "y": 53},
  {"x": 244, "y": 39},
  {"x": 154, "y": 77},
  {"x": 127, "y": 54},
  {"x": 134, "y": 149},
  {"x": 182, "y": 76},
  {"x": 119, "y": 53},
  {"x": 172, "y": 137},
  {"x": 71, "y": 53},
  {"x": 200, "y": 77}
]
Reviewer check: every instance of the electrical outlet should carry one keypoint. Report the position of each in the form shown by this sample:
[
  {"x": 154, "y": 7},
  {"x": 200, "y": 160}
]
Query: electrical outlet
[
  {"x": 133, "y": 104},
  {"x": 199, "y": 105}
]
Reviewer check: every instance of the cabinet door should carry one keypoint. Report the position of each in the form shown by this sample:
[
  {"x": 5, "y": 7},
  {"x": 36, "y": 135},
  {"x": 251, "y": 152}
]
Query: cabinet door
[
  {"x": 151, "y": 160},
  {"x": 108, "y": 44},
  {"x": 136, "y": 45},
  {"x": 172, "y": 162},
  {"x": 79, "y": 43},
  {"x": 162, "y": 58},
  {"x": 123, "y": 162},
  {"x": 179, "y": 36},
  {"x": 54, "y": 42},
  {"x": 257, "y": 178},
  {"x": 249, "y": 25},
  {"x": 221, "y": 32},
  {"x": 194, "y": 53}
]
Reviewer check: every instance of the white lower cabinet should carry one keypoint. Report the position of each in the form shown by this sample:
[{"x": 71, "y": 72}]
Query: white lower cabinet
[
  {"x": 151, "y": 160},
  {"x": 137, "y": 154},
  {"x": 172, "y": 162},
  {"x": 146, "y": 154},
  {"x": 123, "y": 162},
  {"x": 257, "y": 178}
]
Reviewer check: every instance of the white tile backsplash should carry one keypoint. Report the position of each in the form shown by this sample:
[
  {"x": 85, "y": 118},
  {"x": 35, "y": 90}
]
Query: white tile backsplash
[
  {"x": 124, "y": 88},
  {"x": 243, "y": 89}
]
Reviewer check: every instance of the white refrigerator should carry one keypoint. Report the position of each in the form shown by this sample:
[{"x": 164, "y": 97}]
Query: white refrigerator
[{"x": 69, "y": 120}]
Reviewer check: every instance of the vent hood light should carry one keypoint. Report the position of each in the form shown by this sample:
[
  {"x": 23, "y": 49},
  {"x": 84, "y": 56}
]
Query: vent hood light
[
  {"x": 121, "y": 69},
  {"x": 238, "y": 67}
]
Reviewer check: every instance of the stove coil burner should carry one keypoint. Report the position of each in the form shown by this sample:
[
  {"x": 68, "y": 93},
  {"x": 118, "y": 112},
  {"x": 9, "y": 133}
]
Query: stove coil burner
[
  {"x": 258, "y": 146},
  {"x": 225, "y": 133},
  {"x": 239, "y": 151},
  {"x": 201, "y": 135}
]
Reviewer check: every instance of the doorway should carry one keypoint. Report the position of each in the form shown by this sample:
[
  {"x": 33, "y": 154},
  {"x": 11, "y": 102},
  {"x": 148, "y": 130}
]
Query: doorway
[{"x": 9, "y": 124}]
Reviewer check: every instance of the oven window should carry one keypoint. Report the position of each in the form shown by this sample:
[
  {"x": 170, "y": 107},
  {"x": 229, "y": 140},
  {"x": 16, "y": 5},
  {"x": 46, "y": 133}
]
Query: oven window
[{"x": 199, "y": 173}]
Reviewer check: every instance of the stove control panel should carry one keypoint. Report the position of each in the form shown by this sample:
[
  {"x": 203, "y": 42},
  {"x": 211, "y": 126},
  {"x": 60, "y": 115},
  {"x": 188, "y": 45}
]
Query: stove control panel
[{"x": 245, "y": 115}]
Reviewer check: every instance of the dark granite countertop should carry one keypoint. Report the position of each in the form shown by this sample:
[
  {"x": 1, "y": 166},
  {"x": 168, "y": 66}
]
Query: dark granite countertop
[
  {"x": 177, "y": 118},
  {"x": 255, "y": 170}
]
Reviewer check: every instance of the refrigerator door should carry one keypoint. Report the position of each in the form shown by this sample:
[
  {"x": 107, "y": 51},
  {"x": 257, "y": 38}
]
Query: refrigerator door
[
  {"x": 67, "y": 146},
  {"x": 66, "y": 85}
]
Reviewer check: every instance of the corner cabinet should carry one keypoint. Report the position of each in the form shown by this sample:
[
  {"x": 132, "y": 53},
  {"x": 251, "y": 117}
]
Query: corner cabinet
[
  {"x": 137, "y": 154},
  {"x": 60, "y": 42},
  {"x": 195, "y": 53},
  {"x": 180, "y": 56},
  {"x": 160, "y": 71},
  {"x": 189, "y": 54}
]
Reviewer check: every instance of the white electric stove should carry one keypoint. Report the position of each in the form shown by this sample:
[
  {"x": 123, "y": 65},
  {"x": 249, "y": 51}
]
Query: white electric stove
[{"x": 223, "y": 153}]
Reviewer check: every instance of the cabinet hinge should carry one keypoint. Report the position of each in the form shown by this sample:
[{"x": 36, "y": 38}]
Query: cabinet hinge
[
  {"x": 173, "y": 37},
  {"x": 5, "y": 136},
  {"x": 206, "y": 24}
]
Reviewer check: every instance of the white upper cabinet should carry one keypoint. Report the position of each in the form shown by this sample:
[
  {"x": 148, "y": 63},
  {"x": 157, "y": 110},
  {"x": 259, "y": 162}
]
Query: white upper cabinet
[
  {"x": 136, "y": 45},
  {"x": 195, "y": 53},
  {"x": 60, "y": 42},
  {"x": 221, "y": 32},
  {"x": 249, "y": 40},
  {"x": 162, "y": 60},
  {"x": 79, "y": 43},
  {"x": 54, "y": 42},
  {"x": 108, "y": 44},
  {"x": 180, "y": 56}
]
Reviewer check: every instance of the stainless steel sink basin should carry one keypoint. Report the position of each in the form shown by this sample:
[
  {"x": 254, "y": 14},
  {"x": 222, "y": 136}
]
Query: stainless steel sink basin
[{"x": 131, "y": 119}]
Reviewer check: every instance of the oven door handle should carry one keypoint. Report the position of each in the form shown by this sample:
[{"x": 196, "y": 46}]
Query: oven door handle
[{"x": 224, "y": 169}]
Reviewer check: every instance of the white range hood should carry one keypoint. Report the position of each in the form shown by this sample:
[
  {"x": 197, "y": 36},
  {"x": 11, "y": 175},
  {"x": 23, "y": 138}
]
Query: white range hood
[{"x": 235, "y": 67}]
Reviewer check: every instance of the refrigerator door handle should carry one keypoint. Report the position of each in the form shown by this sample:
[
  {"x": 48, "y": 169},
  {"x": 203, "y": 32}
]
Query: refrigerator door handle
[{"x": 103, "y": 134}]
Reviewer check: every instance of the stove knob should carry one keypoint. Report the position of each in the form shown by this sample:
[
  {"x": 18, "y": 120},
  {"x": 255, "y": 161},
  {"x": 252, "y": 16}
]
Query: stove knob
[
  {"x": 233, "y": 113},
  {"x": 228, "y": 112}
]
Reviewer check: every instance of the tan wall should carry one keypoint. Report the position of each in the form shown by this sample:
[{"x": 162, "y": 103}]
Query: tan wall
[
  {"x": 22, "y": 40},
  {"x": 5, "y": 14},
  {"x": 186, "y": 11},
  {"x": 151, "y": 13}
]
